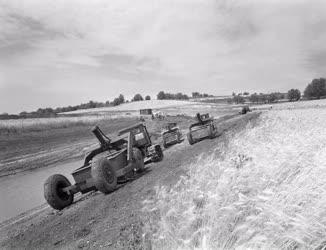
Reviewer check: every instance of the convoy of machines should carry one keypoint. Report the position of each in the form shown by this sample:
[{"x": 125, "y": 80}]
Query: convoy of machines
[{"x": 113, "y": 161}]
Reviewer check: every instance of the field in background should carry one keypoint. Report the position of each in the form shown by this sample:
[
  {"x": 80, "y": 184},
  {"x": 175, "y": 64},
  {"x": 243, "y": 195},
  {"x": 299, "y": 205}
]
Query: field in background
[
  {"x": 265, "y": 189},
  {"x": 133, "y": 106},
  {"x": 90, "y": 117}
]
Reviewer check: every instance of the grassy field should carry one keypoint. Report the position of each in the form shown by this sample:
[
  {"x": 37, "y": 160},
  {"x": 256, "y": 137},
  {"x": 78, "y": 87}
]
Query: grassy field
[{"x": 267, "y": 191}]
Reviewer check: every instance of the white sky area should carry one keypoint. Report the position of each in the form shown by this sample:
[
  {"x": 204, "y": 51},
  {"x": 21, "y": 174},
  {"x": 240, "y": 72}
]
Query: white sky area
[{"x": 59, "y": 53}]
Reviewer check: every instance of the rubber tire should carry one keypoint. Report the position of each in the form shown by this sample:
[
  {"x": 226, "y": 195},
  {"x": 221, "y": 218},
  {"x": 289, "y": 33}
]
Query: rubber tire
[
  {"x": 56, "y": 199},
  {"x": 160, "y": 154},
  {"x": 138, "y": 156},
  {"x": 179, "y": 138},
  {"x": 165, "y": 145},
  {"x": 212, "y": 132},
  {"x": 104, "y": 176},
  {"x": 190, "y": 140}
]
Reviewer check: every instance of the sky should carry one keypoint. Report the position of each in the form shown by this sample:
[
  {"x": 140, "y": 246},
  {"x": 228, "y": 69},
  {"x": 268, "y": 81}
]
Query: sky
[{"x": 59, "y": 53}]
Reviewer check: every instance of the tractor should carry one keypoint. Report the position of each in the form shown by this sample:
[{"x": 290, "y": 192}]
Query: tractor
[
  {"x": 113, "y": 162},
  {"x": 171, "y": 135},
  {"x": 202, "y": 129},
  {"x": 245, "y": 109}
]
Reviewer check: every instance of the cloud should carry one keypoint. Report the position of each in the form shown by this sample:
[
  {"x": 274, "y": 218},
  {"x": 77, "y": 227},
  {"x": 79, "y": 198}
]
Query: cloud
[{"x": 109, "y": 47}]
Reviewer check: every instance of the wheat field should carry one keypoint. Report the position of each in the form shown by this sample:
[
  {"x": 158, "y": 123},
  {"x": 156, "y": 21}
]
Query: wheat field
[{"x": 265, "y": 189}]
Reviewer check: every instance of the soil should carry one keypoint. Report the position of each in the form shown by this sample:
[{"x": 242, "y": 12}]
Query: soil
[{"x": 113, "y": 221}]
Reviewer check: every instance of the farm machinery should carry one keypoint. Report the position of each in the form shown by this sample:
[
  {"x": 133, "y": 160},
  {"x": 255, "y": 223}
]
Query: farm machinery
[
  {"x": 171, "y": 134},
  {"x": 202, "y": 129},
  {"x": 113, "y": 162},
  {"x": 245, "y": 110}
]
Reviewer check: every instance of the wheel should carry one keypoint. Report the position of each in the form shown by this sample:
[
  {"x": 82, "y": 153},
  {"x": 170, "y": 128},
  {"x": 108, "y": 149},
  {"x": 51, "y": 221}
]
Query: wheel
[
  {"x": 164, "y": 144},
  {"x": 159, "y": 154},
  {"x": 190, "y": 140},
  {"x": 138, "y": 156},
  {"x": 212, "y": 132},
  {"x": 53, "y": 193},
  {"x": 105, "y": 178},
  {"x": 179, "y": 138}
]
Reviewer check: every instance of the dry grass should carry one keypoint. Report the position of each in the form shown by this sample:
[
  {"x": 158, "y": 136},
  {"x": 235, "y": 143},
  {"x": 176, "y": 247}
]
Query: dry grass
[
  {"x": 266, "y": 189},
  {"x": 42, "y": 124}
]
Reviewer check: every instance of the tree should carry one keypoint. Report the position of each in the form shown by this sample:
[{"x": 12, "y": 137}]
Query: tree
[
  {"x": 262, "y": 98},
  {"x": 254, "y": 98},
  {"x": 294, "y": 94},
  {"x": 161, "y": 95},
  {"x": 238, "y": 99},
  {"x": 116, "y": 102},
  {"x": 195, "y": 94},
  {"x": 137, "y": 98},
  {"x": 272, "y": 97},
  {"x": 121, "y": 98},
  {"x": 316, "y": 88},
  {"x": 147, "y": 98}
]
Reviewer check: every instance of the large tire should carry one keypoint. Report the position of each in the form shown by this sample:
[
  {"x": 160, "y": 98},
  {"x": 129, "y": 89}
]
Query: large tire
[
  {"x": 179, "y": 138},
  {"x": 212, "y": 132},
  {"x": 53, "y": 193},
  {"x": 104, "y": 175},
  {"x": 139, "y": 158},
  {"x": 159, "y": 153},
  {"x": 190, "y": 140}
]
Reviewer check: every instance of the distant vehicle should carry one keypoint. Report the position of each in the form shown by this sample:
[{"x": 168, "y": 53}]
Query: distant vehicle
[
  {"x": 245, "y": 110},
  {"x": 171, "y": 135},
  {"x": 204, "y": 128},
  {"x": 104, "y": 167},
  {"x": 146, "y": 112},
  {"x": 159, "y": 115}
]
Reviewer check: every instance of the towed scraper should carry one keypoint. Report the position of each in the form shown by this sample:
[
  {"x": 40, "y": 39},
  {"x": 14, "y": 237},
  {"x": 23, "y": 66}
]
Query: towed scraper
[{"x": 204, "y": 128}]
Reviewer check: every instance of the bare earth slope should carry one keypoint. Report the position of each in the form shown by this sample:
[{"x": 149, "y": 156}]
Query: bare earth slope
[{"x": 111, "y": 221}]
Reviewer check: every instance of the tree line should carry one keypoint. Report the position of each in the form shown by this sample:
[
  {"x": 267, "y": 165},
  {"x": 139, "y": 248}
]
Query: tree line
[
  {"x": 168, "y": 96},
  {"x": 314, "y": 90}
]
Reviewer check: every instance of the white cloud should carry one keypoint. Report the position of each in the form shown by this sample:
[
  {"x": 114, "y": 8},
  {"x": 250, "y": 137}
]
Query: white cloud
[{"x": 214, "y": 46}]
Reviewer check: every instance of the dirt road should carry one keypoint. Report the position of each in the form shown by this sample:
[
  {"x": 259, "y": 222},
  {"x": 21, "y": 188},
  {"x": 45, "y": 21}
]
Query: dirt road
[{"x": 113, "y": 221}]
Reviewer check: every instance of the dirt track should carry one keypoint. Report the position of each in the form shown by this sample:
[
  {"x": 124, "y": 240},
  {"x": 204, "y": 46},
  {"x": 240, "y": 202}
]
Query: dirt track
[{"x": 113, "y": 221}]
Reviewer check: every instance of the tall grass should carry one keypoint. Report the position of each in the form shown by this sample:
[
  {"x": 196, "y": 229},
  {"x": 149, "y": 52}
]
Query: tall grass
[
  {"x": 40, "y": 124},
  {"x": 266, "y": 189}
]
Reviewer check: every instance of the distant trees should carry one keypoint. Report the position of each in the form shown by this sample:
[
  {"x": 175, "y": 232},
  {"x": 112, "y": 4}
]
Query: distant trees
[
  {"x": 161, "y": 95},
  {"x": 168, "y": 96},
  {"x": 238, "y": 99},
  {"x": 199, "y": 95},
  {"x": 119, "y": 100},
  {"x": 266, "y": 98},
  {"x": 316, "y": 89},
  {"x": 137, "y": 98},
  {"x": 294, "y": 95},
  {"x": 147, "y": 98}
]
